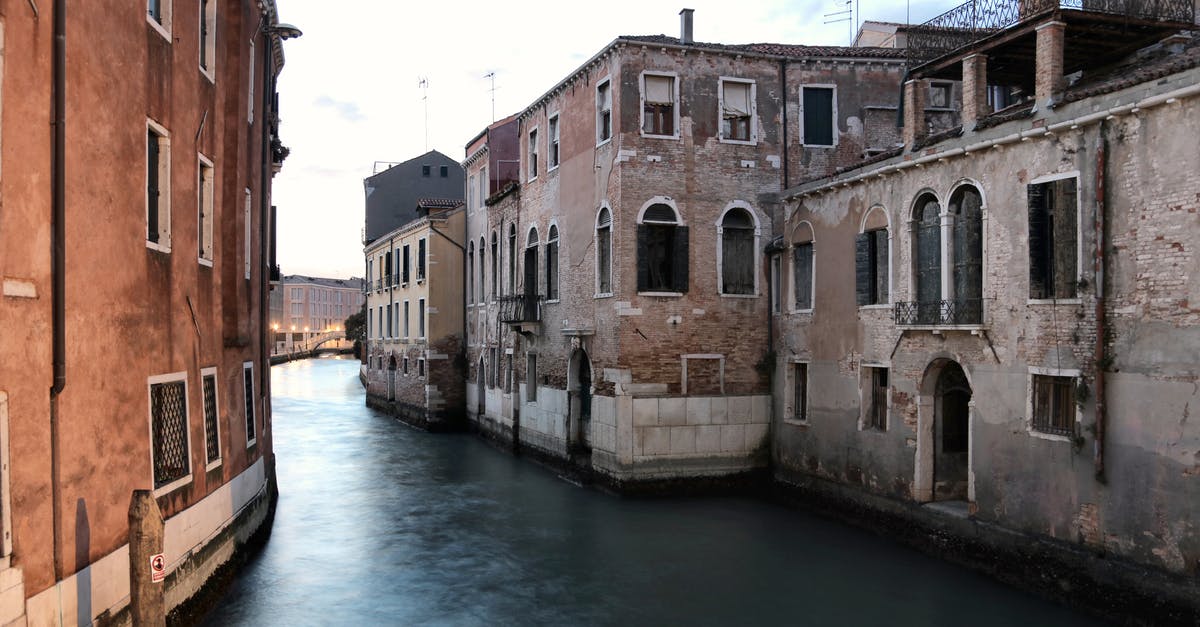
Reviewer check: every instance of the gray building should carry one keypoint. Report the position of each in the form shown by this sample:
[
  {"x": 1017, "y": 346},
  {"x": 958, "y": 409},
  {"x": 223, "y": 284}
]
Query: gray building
[{"x": 392, "y": 195}]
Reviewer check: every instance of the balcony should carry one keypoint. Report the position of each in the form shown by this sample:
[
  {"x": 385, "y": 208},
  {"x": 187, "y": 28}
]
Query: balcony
[
  {"x": 522, "y": 310},
  {"x": 965, "y": 312}
]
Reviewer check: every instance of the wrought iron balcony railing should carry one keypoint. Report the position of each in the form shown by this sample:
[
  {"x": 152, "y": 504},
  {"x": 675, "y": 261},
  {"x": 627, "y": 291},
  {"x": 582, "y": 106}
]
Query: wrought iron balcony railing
[
  {"x": 520, "y": 308},
  {"x": 964, "y": 311},
  {"x": 974, "y": 20}
]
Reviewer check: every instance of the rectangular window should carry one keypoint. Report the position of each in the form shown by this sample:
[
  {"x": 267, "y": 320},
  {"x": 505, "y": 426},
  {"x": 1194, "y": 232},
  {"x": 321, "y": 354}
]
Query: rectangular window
[
  {"x": 495, "y": 266},
  {"x": 250, "y": 97},
  {"x": 530, "y": 377},
  {"x": 1054, "y": 405},
  {"x": 249, "y": 234},
  {"x": 483, "y": 187},
  {"x": 802, "y": 276},
  {"x": 553, "y": 139},
  {"x": 212, "y": 430},
  {"x": 158, "y": 14},
  {"x": 405, "y": 365},
  {"x": 208, "y": 36},
  {"x": 658, "y": 108},
  {"x": 1053, "y": 239},
  {"x": 800, "y": 392},
  {"x": 444, "y": 171},
  {"x": 471, "y": 204},
  {"x": 421, "y": 318},
  {"x": 425, "y": 170},
  {"x": 390, "y": 328},
  {"x": 158, "y": 187},
  {"x": 603, "y": 112},
  {"x": 875, "y": 398},
  {"x": 170, "y": 450},
  {"x": 737, "y": 110},
  {"x": 421, "y": 367},
  {"x": 406, "y": 319},
  {"x": 871, "y": 267},
  {"x": 818, "y": 116},
  {"x": 552, "y": 270},
  {"x": 533, "y": 155},
  {"x": 248, "y": 381},
  {"x": 405, "y": 266},
  {"x": 604, "y": 253},
  {"x": 939, "y": 95},
  {"x": 776, "y": 264},
  {"x": 662, "y": 258},
  {"x": 421, "y": 260},
  {"x": 204, "y": 207},
  {"x": 508, "y": 373}
]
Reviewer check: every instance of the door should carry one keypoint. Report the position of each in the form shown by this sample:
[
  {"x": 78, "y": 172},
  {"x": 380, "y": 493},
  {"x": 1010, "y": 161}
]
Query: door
[
  {"x": 951, "y": 434},
  {"x": 585, "y": 401}
]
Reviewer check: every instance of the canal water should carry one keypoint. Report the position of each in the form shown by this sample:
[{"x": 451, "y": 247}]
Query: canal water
[{"x": 381, "y": 524}]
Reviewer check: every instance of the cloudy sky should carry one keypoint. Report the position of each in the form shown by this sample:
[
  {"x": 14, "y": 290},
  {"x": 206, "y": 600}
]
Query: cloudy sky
[{"x": 350, "y": 95}]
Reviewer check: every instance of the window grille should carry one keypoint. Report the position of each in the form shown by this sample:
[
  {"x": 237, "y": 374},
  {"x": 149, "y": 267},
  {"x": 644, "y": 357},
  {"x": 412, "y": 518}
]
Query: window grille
[
  {"x": 168, "y": 410},
  {"x": 800, "y": 392},
  {"x": 248, "y": 379},
  {"x": 1053, "y": 405},
  {"x": 212, "y": 444}
]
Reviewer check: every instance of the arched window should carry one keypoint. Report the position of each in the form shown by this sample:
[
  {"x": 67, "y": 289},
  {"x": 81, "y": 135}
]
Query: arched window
[
  {"x": 552, "y": 263},
  {"x": 495, "y": 266},
  {"x": 871, "y": 259},
  {"x": 604, "y": 252},
  {"x": 482, "y": 285},
  {"x": 737, "y": 252},
  {"x": 512, "y": 259},
  {"x": 531, "y": 262},
  {"x": 928, "y": 259},
  {"x": 966, "y": 207},
  {"x": 662, "y": 251},
  {"x": 803, "y": 271},
  {"x": 471, "y": 272}
]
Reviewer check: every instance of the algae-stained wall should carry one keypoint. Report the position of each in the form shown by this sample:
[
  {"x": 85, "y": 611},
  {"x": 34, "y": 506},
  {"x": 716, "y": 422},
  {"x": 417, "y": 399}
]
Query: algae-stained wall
[{"x": 1146, "y": 506}]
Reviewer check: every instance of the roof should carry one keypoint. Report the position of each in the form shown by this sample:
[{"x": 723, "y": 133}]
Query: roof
[
  {"x": 423, "y": 157},
  {"x": 794, "y": 51},
  {"x": 439, "y": 203},
  {"x": 1154, "y": 63},
  {"x": 354, "y": 283}
]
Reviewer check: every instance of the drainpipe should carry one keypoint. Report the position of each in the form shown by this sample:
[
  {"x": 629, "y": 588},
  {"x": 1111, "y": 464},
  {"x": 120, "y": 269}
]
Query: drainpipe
[
  {"x": 1098, "y": 261},
  {"x": 58, "y": 265}
]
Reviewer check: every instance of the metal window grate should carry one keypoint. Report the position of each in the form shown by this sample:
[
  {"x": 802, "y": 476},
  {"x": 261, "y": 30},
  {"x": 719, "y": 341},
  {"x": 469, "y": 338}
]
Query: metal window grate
[
  {"x": 168, "y": 410},
  {"x": 248, "y": 376},
  {"x": 1053, "y": 405},
  {"x": 212, "y": 445}
]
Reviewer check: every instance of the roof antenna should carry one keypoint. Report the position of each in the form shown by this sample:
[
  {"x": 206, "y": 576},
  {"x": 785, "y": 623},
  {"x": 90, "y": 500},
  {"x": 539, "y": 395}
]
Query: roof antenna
[
  {"x": 845, "y": 15},
  {"x": 423, "y": 83},
  {"x": 492, "y": 75}
]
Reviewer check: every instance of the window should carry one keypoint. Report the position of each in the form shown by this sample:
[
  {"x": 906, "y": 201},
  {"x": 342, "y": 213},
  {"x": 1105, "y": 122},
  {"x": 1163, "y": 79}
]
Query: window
[
  {"x": 248, "y": 381},
  {"x": 204, "y": 208},
  {"x": 405, "y": 265},
  {"x": 406, "y": 319},
  {"x": 875, "y": 398},
  {"x": 603, "y": 112},
  {"x": 421, "y": 260},
  {"x": 738, "y": 110},
  {"x": 471, "y": 272},
  {"x": 928, "y": 256},
  {"x": 248, "y": 234},
  {"x": 775, "y": 282},
  {"x": 405, "y": 366},
  {"x": 604, "y": 252},
  {"x": 818, "y": 114},
  {"x": 212, "y": 430},
  {"x": 158, "y": 187},
  {"x": 1053, "y": 239},
  {"x": 658, "y": 105},
  {"x": 662, "y": 251},
  {"x": 208, "y": 36},
  {"x": 471, "y": 202},
  {"x": 482, "y": 284},
  {"x": 530, "y": 377},
  {"x": 250, "y": 97},
  {"x": 939, "y": 95},
  {"x": 531, "y": 261},
  {"x": 800, "y": 392},
  {"x": 425, "y": 170},
  {"x": 421, "y": 367},
  {"x": 553, "y": 139},
  {"x": 421, "y": 318},
  {"x": 483, "y": 187},
  {"x": 871, "y": 260},
  {"x": 512, "y": 259},
  {"x": 966, "y": 288},
  {"x": 495, "y": 256},
  {"x": 552, "y": 263},
  {"x": 1053, "y": 405},
  {"x": 391, "y": 331},
  {"x": 736, "y": 235},
  {"x": 444, "y": 171},
  {"x": 508, "y": 373},
  {"x": 297, "y": 293},
  {"x": 533, "y": 155},
  {"x": 170, "y": 451},
  {"x": 802, "y": 267},
  {"x": 158, "y": 14}
]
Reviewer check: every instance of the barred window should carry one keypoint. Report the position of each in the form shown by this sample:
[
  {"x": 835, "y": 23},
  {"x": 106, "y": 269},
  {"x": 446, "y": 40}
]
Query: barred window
[
  {"x": 169, "y": 429},
  {"x": 248, "y": 379},
  {"x": 1053, "y": 405},
  {"x": 212, "y": 439},
  {"x": 875, "y": 398}
]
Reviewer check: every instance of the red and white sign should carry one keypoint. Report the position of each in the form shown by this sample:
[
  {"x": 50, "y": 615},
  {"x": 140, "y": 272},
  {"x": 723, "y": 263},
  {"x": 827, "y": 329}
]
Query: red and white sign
[{"x": 158, "y": 568}]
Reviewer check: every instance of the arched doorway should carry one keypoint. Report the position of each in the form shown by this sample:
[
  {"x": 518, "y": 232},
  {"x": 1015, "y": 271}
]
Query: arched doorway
[
  {"x": 943, "y": 464},
  {"x": 579, "y": 390}
]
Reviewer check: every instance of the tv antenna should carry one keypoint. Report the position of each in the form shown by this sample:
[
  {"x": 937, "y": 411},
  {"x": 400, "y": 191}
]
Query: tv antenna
[
  {"x": 844, "y": 15},
  {"x": 492, "y": 75},
  {"x": 423, "y": 83}
]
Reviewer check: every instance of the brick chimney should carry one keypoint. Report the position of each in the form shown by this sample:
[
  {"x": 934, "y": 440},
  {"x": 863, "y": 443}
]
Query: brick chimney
[
  {"x": 974, "y": 87},
  {"x": 915, "y": 92},
  {"x": 1048, "y": 68},
  {"x": 685, "y": 26}
]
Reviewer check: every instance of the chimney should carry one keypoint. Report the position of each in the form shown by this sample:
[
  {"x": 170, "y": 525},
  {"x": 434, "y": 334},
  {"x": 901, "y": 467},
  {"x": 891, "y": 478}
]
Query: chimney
[{"x": 685, "y": 26}]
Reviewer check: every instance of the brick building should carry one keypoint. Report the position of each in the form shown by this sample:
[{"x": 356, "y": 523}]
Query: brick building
[
  {"x": 618, "y": 312},
  {"x": 135, "y": 278},
  {"x": 996, "y": 319}
]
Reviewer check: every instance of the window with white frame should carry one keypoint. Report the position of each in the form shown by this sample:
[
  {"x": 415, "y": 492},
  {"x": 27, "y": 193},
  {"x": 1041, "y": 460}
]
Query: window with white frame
[
  {"x": 604, "y": 252},
  {"x": 421, "y": 318},
  {"x": 170, "y": 447},
  {"x": 405, "y": 266},
  {"x": 659, "y": 113},
  {"x": 1052, "y": 408},
  {"x": 738, "y": 110},
  {"x": 248, "y": 235},
  {"x": 212, "y": 429},
  {"x": 662, "y": 251},
  {"x": 158, "y": 14},
  {"x": 871, "y": 257},
  {"x": 512, "y": 259},
  {"x": 483, "y": 187},
  {"x": 818, "y": 109},
  {"x": 250, "y": 98},
  {"x": 736, "y": 237},
  {"x": 406, "y": 319},
  {"x": 208, "y": 36},
  {"x": 471, "y": 273},
  {"x": 803, "y": 267},
  {"x": 248, "y": 390},
  {"x": 421, "y": 254},
  {"x": 158, "y": 187},
  {"x": 204, "y": 209},
  {"x": 552, "y": 263},
  {"x": 421, "y": 367},
  {"x": 532, "y": 161},
  {"x": 552, "y": 145},
  {"x": 482, "y": 284},
  {"x": 603, "y": 111},
  {"x": 1053, "y": 239}
]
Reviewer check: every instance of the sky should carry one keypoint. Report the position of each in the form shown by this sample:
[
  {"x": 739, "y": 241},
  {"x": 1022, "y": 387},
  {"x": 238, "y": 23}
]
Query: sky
[{"x": 350, "y": 92}]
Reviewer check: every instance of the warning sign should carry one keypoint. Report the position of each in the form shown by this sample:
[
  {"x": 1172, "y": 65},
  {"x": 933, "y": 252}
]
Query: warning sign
[{"x": 158, "y": 568}]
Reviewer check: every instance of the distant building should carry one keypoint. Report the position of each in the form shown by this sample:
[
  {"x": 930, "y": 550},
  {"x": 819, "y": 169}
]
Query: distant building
[
  {"x": 311, "y": 309},
  {"x": 135, "y": 355},
  {"x": 392, "y": 195}
]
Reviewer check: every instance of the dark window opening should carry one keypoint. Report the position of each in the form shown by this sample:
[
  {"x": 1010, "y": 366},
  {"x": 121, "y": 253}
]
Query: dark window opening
[
  {"x": 736, "y": 110},
  {"x": 248, "y": 381},
  {"x": 1053, "y": 405},
  {"x": 212, "y": 444},
  {"x": 425, "y": 170},
  {"x": 604, "y": 252},
  {"x": 802, "y": 275},
  {"x": 168, "y": 411},
  {"x": 658, "y": 117},
  {"x": 662, "y": 252},
  {"x": 603, "y": 113},
  {"x": 871, "y": 267},
  {"x": 818, "y": 116},
  {"x": 153, "y": 164},
  {"x": 444, "y": 171},
  {"x": 1053, "y": 240},
  {"x": 552, "y": 264},
  {"x": 877, "y": 399},
  {"x": 737, "y": 253},
  {"x": 800, "y": 392}
]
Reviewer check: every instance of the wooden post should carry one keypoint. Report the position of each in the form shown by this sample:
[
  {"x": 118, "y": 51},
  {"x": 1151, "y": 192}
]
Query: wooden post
[{"x": 146, "y": 602}]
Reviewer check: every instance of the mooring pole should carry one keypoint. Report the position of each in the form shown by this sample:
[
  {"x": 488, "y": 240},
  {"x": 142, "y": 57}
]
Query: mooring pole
[{"x": 146, "y": 602}]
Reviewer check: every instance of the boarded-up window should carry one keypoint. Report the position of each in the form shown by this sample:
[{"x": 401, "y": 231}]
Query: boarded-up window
[
  {"x": 876, "y": 399},
  {"x": 662, "y": 252},
  {"x": 552, "y": 264},
  {"x": 658, "y": 114},
  {"x": 1053, "y": 239},
  {"x": 736, "y": 110},
  {"x": 604, "y": 252},
  {"x": 802, "y": 275},
  {"x": 737, "y": 253},
  {"x": 871, "y": 267},
  {"x": 1053, "y": 405},
  {"x": 818, "y": 115}
]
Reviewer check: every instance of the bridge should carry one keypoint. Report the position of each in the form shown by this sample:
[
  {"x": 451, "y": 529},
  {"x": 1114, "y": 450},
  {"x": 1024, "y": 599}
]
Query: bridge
[{"x": 315, "y": 341}]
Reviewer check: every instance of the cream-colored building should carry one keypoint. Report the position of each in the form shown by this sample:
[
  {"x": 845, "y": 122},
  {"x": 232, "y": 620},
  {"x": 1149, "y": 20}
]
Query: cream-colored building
[
  {"x": 309, "y": 310},
  {"x": 415, "y": 317}
]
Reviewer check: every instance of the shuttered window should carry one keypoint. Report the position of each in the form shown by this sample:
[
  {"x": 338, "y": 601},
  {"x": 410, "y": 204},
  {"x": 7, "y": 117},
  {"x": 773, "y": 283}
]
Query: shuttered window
[
  {"x": 737, "y": 110},
  {"x": 495, "y": 265},
  {"x": 737, "y": 253},
  {"x": 929, "y": 260},
  {"x": 658, "y": 114},
  {"x": 802, "y": 275},
  {"x": 604, "y": 252},
  {"x": 818, "y": 115},
  {"x": 533, "y": 155},
  {"x": 871, "y": 267},
  {"x": 662, "y": 252},
  {"x": 248, "y": 389},
  {"x": 1053, "y": 239}
]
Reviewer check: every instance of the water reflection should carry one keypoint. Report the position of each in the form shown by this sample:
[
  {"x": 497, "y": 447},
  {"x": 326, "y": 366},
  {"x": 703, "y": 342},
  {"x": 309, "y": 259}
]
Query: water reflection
[{"x": 381, "y": 524}]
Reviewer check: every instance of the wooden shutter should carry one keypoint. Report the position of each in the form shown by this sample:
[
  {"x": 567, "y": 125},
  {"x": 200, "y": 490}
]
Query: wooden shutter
[
  {"x": 818, "y": 116},
  {"x": 802, "y": 271},
  {"x": 1063, "y": 209},
  {"x": 862, "y": 268},
  {"x": 679, "y": 262},
  {"x": 881, "y": 266},
  {"x": 643, "y": 258},
  {"x": 152, "y": 159},
  {"x": 1039, "y": 242}
]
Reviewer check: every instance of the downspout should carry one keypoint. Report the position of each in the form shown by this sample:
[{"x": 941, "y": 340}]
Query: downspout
[
  {"x": 1098, "y": 261},
  {"x": 58, "y": 266}
]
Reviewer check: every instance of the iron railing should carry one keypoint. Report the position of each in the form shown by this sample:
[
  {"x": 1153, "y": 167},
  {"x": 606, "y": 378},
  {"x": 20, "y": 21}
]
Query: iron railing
[
  {"x": 520, "y": 308},
  {"x": 963, "y": 311},
  {"x": 974, "y": 20}
]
